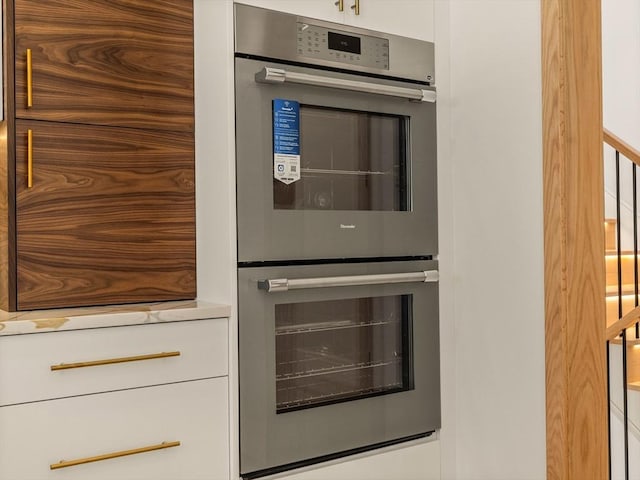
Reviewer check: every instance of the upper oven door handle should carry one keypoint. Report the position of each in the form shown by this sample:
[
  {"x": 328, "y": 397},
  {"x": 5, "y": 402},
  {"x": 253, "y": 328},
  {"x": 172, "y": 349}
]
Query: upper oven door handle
[
  {"x": 285, "y": 284},
  {"x": 279, "y": 75}
]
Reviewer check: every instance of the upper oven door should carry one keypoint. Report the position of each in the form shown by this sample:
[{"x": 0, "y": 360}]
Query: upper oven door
[
  {"x": 365, "y": 181},
  {"x": 334, "y": 358}
]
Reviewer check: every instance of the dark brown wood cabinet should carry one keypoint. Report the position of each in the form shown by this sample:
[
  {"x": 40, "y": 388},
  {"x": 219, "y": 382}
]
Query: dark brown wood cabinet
[
  {"x": 106, "y": 62},
  {"x": 97, "y": 201}
]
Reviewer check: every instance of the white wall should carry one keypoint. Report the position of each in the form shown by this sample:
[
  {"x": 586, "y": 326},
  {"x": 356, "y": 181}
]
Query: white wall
[
  {"x": 445, "y": 242},
  {"x": 496, "y": 158},
  {"x": 621, "y": 68},
  {"x": 215, "y": 177},
  {"x": 617, "y": 420},
  {"x": 621, "y": 99},
  {"x": 215, "y": 154},
  {"x": 621, "y": 115}
]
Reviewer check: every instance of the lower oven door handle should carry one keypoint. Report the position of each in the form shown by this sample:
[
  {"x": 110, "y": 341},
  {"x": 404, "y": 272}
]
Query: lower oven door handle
[
  {"x": 285, "y": 284},
  {"x": 279, "y": 75}
]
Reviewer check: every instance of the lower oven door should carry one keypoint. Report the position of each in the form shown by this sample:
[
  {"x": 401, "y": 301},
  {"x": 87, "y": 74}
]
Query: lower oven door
[{"x": 335, "y": 358}]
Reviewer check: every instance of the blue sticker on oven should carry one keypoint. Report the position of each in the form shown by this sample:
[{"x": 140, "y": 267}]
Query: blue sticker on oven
[{"x": 286, "y": 140}]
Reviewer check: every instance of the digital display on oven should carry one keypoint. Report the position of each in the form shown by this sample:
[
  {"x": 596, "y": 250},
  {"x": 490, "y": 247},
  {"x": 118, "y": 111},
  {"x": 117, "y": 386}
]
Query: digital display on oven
[{"x": 344, "y": 43}]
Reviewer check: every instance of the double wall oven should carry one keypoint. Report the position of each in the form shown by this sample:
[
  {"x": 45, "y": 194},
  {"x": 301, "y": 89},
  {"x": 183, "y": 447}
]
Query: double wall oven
[{"x": 337, "y": 239}]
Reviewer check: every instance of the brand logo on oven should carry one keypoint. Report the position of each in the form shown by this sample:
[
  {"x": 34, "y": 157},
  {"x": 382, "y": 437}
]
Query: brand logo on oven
[{"x": 347, "y": 227}]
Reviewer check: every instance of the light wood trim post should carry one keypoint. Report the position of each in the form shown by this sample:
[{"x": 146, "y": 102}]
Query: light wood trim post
[{"x": 576, "y": 382}]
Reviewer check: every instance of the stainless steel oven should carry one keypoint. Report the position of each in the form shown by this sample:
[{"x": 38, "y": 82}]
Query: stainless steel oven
[
  {"x": 336, "y": 140},
  {"x": 335, "y": 358},
  {"x": 337, "y": 239}
]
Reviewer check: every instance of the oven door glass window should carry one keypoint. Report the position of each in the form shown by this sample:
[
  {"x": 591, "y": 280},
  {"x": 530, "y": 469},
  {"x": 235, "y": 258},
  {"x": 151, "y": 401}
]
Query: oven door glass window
[
  {"x": 339, "y": 350},
  {"x": 349, "y": 160}
]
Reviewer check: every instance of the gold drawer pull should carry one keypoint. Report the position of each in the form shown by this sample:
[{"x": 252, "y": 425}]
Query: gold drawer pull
[
  {"x": 356, "y": 7},
  {"x": 340, "y": 5},
  {"x": 29, "y": 79},
  {"x": 109, "y": 361},
  {"x": 108, "y": 456},
  {"x": 29, "y": 158}
]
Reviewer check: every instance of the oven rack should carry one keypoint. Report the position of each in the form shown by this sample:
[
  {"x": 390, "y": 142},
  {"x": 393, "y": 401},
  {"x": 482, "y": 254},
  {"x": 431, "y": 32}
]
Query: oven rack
[
  {"x": 328, "y": 326},
  {"x": 285, "y": 405},
  {"x": 335, "y": 370}
]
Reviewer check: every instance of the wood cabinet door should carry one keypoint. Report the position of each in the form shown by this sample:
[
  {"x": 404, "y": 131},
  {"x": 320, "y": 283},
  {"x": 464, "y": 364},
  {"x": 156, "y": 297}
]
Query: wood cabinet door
[
  {"x": 106, "y": 62},
  {"x": 110, "y": 217}
]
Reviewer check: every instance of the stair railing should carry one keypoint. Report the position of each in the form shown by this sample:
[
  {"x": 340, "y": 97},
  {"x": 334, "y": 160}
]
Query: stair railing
[{"x": 618, "y": 331}]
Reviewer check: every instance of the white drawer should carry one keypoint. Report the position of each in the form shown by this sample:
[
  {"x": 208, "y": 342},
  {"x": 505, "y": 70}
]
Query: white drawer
[
  {"x": 26, "y": 360},
  {"x": 36, "y": 435}
]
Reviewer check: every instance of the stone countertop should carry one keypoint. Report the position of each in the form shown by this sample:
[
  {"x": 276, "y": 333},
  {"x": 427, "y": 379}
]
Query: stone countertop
[{"x": 37, "y": 321}]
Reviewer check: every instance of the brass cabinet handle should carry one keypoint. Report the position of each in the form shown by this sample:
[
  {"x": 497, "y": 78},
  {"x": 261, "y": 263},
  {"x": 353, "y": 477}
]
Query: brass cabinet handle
[
  {"x": 29, "y": 158},
  {"x": 356, "y": 7},
  {"x": 110, "y": 361},
  {"x": 340, "y": 5},
  {"x": 108, "y": 456},
  {"x": 29, "y": 79}
]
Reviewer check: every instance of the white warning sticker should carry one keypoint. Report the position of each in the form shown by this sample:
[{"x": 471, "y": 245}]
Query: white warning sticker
[{"x": 286, "y": 168}]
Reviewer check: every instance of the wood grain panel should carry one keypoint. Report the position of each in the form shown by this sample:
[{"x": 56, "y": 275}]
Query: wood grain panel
[
  {"x": 554, "y": 252},
  {"x": 110, "y": 217},
  {"x": 7, "y": 170},
  {"x": 7, "y": 205},
  {"x": 107, "y": 62},
  {"x": 610, "y": 236},
  {"x": 574, "y": 241}
]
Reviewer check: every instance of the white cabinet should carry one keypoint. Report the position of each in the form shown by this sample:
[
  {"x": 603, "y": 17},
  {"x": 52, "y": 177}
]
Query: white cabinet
[
  {"x": 409, "y": 18},
  {"x": 143, "y": 402},
  {"x": 321, "y": 9},
  {"x": 78, "y": 362},
  {"x": 35, "y": 436}
]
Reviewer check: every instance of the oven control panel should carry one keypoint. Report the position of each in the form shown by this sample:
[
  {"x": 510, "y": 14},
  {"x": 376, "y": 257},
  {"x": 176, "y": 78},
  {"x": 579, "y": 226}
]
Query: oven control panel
[{"x": 333, "y": 45}]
